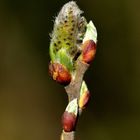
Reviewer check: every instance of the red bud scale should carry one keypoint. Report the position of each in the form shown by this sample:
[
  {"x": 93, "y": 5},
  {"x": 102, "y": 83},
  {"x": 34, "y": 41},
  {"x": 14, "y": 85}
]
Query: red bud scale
[
  {"x": 88, "y": 51},
  {"x": 70, "y": 116},
  {"x": 60, "y": 73},
  {"x": 68, "y": 121}
]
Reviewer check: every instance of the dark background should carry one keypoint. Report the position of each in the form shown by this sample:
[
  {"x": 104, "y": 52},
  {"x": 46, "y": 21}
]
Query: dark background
[{"x": 31, "y": 103}]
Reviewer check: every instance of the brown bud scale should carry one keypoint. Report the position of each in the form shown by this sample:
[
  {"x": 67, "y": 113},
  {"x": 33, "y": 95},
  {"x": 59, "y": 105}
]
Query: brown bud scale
[{"x": 60, "y": 73}]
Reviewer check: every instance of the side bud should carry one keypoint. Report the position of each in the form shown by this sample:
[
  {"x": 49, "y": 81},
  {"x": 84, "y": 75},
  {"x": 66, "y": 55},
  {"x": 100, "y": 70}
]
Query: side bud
[
  {"x": 69, "y": 117},
  {"x": 59, "y": 73},
  {"x": 88, "y": 51},
  {"x": 89, "y": 43},
  {"x": 84, "y": 96}
]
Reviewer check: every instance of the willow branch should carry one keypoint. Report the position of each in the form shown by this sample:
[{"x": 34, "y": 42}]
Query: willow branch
[
  {"x": 73, "y": 91},
  {"x": 72, "y": 49}
]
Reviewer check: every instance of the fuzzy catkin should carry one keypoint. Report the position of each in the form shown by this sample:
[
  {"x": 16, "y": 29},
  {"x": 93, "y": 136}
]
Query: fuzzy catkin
[{"x": 67, "y": 29}]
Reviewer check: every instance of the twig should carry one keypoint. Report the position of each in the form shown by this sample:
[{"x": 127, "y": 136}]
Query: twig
[
  {"x": 73, "y": 91},
  {"x": 68, "y": 135},
  {"x": 69, "y": 61}
]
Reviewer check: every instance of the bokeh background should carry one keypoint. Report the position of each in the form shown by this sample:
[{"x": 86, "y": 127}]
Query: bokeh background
[{"x": 31, "y": 103}]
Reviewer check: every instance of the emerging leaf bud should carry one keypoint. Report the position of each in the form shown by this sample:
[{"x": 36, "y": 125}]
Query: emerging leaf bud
[
  {"x": 69, "y": 117},
  {"x": 68, "y": 121},
  {"x": 89, "y": 43},
  {"x": 59, "y": 73},
  {"x": 88, "y": 51},
  {"x": 84, "y": 96}
]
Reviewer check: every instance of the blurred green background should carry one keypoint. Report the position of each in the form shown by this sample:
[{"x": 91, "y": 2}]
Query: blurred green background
[{"x": 31, "y": 103}]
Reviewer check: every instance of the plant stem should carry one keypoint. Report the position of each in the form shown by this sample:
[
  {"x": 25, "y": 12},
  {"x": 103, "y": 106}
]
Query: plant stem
[{"x": 73, "y": 91}]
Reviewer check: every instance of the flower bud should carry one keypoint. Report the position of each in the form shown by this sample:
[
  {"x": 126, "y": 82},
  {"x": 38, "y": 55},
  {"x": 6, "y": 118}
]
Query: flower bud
[
  {"x": 68, "y": 121},
  {"x": 69, "y": 117},
  {"x": 88, "y": 51},
  {"x": 89, "y": 43},
  {"x": 84, "y": 96},
  {"x": 60, "y": 73}
]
